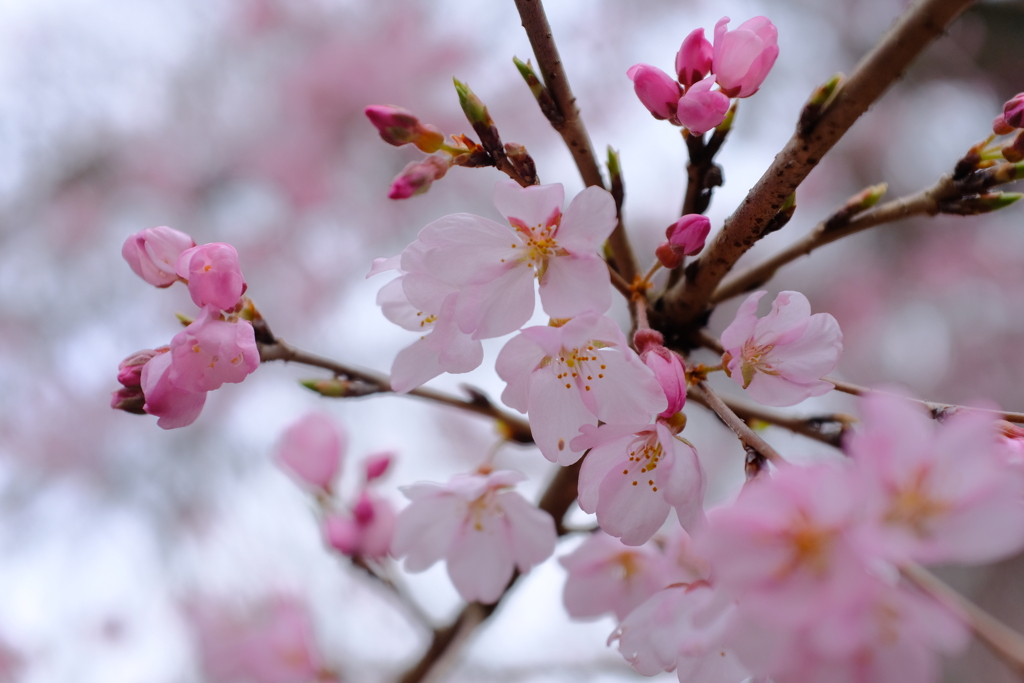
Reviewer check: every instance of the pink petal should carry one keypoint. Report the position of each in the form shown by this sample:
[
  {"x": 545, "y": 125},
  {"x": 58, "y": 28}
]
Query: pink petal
[
  {"x": 516, "y": 361},
  {"x": 588, "y": 222},
  {"x": 311, "y": 449},
  {"x": 496, "y": 307},
  {"x": 479, "y": 561},
  {"x": 531, "y": 530},
  {"x": 426, "y": 528},
  {"x": 742, "y": 327},
  {"x": 575, "y": 284},
  {"x": 556, "y": 414},
  {"x": 532, "y": 205}
]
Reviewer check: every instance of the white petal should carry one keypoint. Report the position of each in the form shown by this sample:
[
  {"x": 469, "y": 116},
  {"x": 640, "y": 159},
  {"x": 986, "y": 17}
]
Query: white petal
[
  {"x": 575, "y": 284},
  {"x": 531, "y": 205},
  {"x": 588, "y": 221}
]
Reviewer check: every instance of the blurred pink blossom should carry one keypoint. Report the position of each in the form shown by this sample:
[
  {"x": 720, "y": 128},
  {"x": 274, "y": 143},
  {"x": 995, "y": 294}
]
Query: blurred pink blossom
[
  {"x": 693, "y": 61},
  {"x": 656, "y": 89},
  {"x": 700, "y": 108},
  {"x": 153, "y": 253},
  {"x": 312, "y": 449},
  {"x": 744, "y": 56},
  {"x": 376, "y": 465},
  {"x": 482, "y": 528},
  {"x": 211, "y": 352},
  {"x": 417, "y": 177},
  {"x": 367, "y": 532},
  {"x": 781, "y": 358},
  {"x": 214, "y": 275}
]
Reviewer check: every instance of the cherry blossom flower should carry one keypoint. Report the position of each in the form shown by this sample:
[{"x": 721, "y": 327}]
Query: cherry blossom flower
[
  {"x": 667, "y": 367},
  {"x": 781, "y": 358},
  {"x": 656, "y": 90},
  {"x": 634, "y": 475},
  {"x": 607, "y": 576},
  {"x": 744, "y": 56},
  {"x": 271, "y": 642},
  {"x": 212, "y": 351},
  {"x": 693, "y": 61},
  {"x": 493, "y": 266},
  {"x": 933, "y": 489},
  {"x": 369, "y": 530},
  {"x": 700, "y": 108},
  {"x": 153, "y": 253},
  {"x": 312, "y": 449},
  {"x": 399, "y": 127},
  {"x": 574, "y": 375},
  {"x": 214, "y": 275},
  {"x": 681, "y": 627},
  {"x": 685, "y": 238},
  {"x": 176, "y": 407},
  {"x": 479, "y": 526}
]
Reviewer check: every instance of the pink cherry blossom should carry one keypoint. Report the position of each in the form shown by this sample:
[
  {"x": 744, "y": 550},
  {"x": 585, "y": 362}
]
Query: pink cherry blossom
[
  {"x": 417, "y": 177},
  {"x": 174, "y": 406},
  {"x": 493, "y": 266},
  {"x": 271, "y": 642},
  {"x": 153, "y": 253},
  {"x": 367, "y": 532},
  {"x": 744, "y": 56},
  {"x": 1013, "y": 111},
  {"x": 781, "y": 358},
  {"x": 693, "y": 61},
  {"x": 933, "y": 489},
  {"x": 607, "y": 576},
  {"x": 681, "y": 627},
  {"x": 700, "y": 108},
  {"x": 635, "y": 475},
  {"x": 212, "y": 351},
  {"x": 214, "y": 275},
  {"x": 312, "y": 449},
  {"x": 399, "y": 127},
  {"x": 376, "y": 465},
  {"x": 656, "y": 89},
  {"x": 575, "y": 375},
  {"x": 479, "y": 526}
]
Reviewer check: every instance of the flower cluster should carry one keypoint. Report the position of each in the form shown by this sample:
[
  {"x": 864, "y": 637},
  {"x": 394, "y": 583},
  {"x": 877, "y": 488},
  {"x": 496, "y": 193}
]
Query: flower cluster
[
  {"x": 737, "y": 63},
  {"x": 218, "y": 347}
]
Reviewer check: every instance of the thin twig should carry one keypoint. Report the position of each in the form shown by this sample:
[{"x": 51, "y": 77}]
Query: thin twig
[
  {"x": 938, "y": 411},
  {"x": 619, "y": 283},
  {"x": 912, "y": 32},
  {"x": 397, "y": 591},
  {"x": 1000, "y": 638},
  {"x": 518, "y": 428},
  {"x": 747, "y": 436},
  {"x": 570, "y": 125}
]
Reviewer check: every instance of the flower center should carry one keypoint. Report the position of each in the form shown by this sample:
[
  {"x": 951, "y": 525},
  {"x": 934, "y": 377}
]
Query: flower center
[
  {"x": 539, "y": 241},
  {"x": 644, "y": 455},
  {"x": 580, "y": 366},
  {"x": 913, "y": 507}
]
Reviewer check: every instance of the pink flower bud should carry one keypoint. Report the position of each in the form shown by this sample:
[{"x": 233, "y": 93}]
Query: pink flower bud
[
  {"x": 693, "y": 61},
  {"x": 645, "y": 339},
  {"x": 1013, "y": 111},
  {"x": 667, "y": 256},
  {"x": 656, "y": 89},
  {"x": 174, "y": 406},
  {"x": 312, "y": 449},
  {"x": 743, "y": 57},
  {"x": 214, "y": 275},
  {"x": 670, "y": 372},
  {"x": 399, "y": 127},
  {"x": 129, "y": 371},
  {"x": 688, "y": 234},
  {"x": 702, "y": 108},
  {"x": 376, "y": 465},
  {"x": 152, "y": 253},
  {"x": 418, "y": 176},
  {"x": 368, "y": 533},
  {"x": 1001, "y": 127},
  {"x": 129, "y": 399},
  {"x": 211, "y": 352}
]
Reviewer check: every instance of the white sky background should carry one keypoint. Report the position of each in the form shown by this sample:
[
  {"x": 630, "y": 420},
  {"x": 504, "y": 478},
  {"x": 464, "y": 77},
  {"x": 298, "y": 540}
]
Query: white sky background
[{"x": 101, "y": 540}]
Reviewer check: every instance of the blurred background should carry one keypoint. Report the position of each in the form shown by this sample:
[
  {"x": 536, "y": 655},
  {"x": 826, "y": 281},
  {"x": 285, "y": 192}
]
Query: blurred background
[{"x": 241, "y": 121}]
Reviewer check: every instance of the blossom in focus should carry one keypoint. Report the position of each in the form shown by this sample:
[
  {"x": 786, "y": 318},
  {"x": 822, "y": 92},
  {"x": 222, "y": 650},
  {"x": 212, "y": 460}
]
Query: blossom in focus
[
  {"x": 271, "y": 642},
  {"x": 176, "y": 407},
  {"x": 667, "y": 367},
  {"x": 417, "y": 177},
  {"x": 366, "y": 532},
  {"x": 214, "y": 275},
  {"x": 312, "y": 449},
  {"x": 744, "y": 56},
  {"x": 399, "y": 127},
  {"x": 493, "y": 266},
  {"x": 634, "y": 475},
  {"x": 656, "y": 89},
  {"x": 153, "y": 254},
  {"x": 781, "y": 358},
  {"x": 933, "y": 489},
  {"x": 479, "y": 526},
  {"x": 607, "y": 576},
  {"x": 700, "y": 108},
  {"x": 211, "y": 352},
  {"x": 693, "y": 61},
  {"x": 574, "y": 375},
  {"x": 685, "y": 237}
]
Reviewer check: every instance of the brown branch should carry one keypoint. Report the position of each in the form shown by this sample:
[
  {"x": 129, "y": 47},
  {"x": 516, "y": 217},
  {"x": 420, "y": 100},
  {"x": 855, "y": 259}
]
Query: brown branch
[
  {"x": 1000, "y": 638},
  {"x": 448, "y": 641},
  {"x": 938, "y": 411},
  {"x": 569, "y": 125},
  {"x": 756, "y": 446},
  {"x": 518, "y": 429},
  {"x": 912, "y": 32},
  {"x": 828, "y": 428}
]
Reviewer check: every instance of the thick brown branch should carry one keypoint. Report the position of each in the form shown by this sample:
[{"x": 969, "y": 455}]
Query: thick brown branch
[
  {"x": 518, "y": 428},
  {"x": 912, "y": 32},
  {"x": 570, "y": 125},
  {"x": 1000, "y": 638}
]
